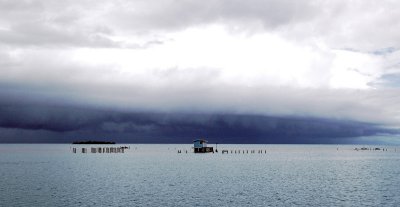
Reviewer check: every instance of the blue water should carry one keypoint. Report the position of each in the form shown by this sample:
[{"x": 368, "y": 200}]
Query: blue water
[{"x": 156, "y": 175}]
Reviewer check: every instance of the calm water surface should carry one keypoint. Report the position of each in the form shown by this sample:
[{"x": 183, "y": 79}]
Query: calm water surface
[{"x": 156, "y": 175}]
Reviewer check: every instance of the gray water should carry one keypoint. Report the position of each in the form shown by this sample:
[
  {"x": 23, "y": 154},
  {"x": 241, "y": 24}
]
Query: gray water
[{"x": 156, "y": 175}]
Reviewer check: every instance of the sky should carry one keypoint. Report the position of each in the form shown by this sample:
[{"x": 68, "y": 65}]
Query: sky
[{"x": 255, "y": 71}]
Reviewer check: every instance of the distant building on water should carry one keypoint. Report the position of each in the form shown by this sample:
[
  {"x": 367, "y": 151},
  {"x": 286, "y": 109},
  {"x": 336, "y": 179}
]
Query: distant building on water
[{"x": 200, "y": 146}]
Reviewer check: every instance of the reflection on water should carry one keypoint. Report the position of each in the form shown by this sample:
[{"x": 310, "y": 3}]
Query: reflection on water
[{"x": 156, "y": 175}]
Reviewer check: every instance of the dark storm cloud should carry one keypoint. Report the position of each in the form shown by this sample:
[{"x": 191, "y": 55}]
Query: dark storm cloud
[
  {"x": 64, "y": 123},
  {"x": 178, "y": 94}
]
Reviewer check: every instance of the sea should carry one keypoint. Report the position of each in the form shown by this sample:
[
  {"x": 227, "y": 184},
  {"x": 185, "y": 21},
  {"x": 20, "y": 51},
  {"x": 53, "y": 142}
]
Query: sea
[{"x": 157, "y": 175}]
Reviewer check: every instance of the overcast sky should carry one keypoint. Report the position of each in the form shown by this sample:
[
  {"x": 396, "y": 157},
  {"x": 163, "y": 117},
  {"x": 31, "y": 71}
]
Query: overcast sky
[{"x": 326, "y": 59}]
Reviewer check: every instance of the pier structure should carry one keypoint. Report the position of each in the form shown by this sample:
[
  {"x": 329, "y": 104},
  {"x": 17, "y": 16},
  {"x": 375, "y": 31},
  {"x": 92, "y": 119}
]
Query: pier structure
[
  {"x": 101, "y": 149},
  {"x": 203, "y": 149}
]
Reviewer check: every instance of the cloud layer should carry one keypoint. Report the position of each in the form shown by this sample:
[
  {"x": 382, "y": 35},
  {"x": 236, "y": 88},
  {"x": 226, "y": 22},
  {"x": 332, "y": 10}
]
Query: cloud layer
[
  {"x": 324, "y": 59},
  {"x": 36, "y": 121}
]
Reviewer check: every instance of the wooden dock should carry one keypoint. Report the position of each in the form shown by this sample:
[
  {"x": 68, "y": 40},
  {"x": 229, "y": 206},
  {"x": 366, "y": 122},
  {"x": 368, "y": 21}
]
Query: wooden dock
[
  {"x": 231, "y": 151},
  {"x": 100, "y": 150}
]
